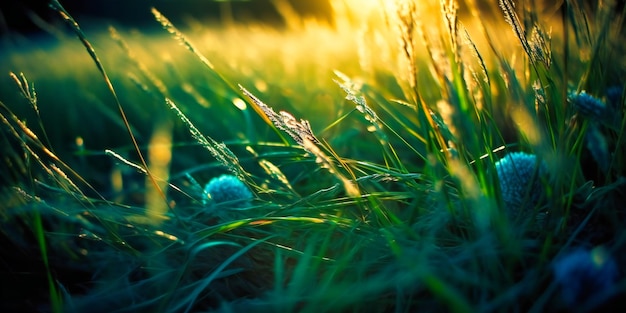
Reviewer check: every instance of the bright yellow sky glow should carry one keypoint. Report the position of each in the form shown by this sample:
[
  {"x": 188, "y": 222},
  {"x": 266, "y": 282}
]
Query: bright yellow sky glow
[{"x": 365, "y": 9}]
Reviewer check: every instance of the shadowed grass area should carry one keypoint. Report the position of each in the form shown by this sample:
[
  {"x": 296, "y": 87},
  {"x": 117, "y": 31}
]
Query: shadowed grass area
[{"x": 407, "y": 158}]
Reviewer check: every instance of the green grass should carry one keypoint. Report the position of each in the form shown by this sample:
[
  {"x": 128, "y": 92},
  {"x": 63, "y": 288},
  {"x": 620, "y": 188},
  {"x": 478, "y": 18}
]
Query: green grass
[{"x": 370, "y": 148}]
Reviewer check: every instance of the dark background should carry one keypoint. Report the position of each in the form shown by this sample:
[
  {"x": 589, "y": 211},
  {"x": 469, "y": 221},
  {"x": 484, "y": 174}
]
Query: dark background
[{"x": 27, "y": 16}]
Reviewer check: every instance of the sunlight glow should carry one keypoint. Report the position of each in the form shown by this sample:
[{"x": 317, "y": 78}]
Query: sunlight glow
[
  {"x": 364, "y": 9},
  {"x": 159, "y": 158},
  {"x": 366, "y": 5}
]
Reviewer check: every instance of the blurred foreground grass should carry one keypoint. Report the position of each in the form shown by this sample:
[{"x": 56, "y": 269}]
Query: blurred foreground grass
[{"x": 379, "y": 188}]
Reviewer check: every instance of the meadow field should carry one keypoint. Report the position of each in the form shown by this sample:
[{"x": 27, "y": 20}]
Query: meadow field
[{"x": 431, "y": 156}]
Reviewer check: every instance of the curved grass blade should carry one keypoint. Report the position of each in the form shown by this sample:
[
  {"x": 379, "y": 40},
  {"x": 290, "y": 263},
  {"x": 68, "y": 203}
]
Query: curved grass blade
[{"x": 207, "y": 281}]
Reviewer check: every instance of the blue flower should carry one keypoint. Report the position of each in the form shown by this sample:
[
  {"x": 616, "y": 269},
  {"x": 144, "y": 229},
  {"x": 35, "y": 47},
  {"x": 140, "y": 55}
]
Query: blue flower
[
  {"x": 583, "y": 274},
  {"x": 228, "y": 188},
  {"x": 614, "y": 95},
  {"x": 589, "y": 105},
  {"x": 520, "y": 181},
  {"x": 598, "y": 147}
]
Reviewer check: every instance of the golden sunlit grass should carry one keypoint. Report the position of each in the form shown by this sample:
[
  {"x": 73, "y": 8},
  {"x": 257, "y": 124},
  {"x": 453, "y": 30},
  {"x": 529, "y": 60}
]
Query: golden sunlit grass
[{"x": 362, "y": 163}]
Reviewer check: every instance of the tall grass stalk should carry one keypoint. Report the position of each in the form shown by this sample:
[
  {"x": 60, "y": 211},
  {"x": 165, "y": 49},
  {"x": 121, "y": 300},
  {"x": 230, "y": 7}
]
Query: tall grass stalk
[{"x": 56, "y": 6}]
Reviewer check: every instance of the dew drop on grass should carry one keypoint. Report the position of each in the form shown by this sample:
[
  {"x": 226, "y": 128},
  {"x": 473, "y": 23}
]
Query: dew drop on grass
[{"x": 240, "y": 104}]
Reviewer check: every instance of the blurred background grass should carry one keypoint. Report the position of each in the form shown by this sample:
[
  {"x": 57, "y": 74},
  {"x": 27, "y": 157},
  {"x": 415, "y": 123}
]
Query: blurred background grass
[{"x": 289, "y": 58}]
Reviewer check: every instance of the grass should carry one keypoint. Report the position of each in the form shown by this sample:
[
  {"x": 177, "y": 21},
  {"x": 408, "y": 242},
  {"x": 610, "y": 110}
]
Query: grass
[{"x": 371, "y": 150}]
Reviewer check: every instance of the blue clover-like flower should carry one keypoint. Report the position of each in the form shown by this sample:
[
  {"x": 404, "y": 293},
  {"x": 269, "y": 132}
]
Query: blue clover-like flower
[
  {"x": 228, "y": 188},
  {"x": 614, "y": 95},
  {"x": 520, "y": 181},
  {"x": 589, "y": 105},
  {"x": 583, "y": 274}
]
